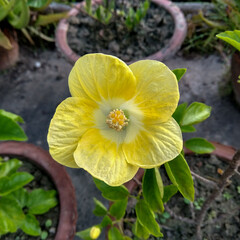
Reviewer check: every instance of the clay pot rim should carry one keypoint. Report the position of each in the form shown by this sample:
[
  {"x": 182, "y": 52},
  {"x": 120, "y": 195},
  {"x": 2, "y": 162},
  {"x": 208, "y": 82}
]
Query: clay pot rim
[
  {"x": 180, "y": 31},
  {"x": 68, "y": 209},
  {"x": 224, "y": 152}
]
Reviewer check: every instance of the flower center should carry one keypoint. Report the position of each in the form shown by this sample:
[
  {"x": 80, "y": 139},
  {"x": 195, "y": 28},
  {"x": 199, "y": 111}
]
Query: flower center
[{"x": 117, "y": 120}]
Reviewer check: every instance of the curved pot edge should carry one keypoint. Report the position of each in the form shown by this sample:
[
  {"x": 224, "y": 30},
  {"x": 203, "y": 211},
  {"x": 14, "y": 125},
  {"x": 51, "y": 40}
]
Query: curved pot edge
[
  {"x": 174, "y": 45},
  {"x": 68, "y": 209}
]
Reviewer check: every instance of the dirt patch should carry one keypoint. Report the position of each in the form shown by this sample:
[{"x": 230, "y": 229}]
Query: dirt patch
[{"x": 87, "y": 35}]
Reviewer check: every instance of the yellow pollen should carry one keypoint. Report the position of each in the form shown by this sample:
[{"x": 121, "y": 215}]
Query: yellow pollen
[{"x": 117, "y": 120}]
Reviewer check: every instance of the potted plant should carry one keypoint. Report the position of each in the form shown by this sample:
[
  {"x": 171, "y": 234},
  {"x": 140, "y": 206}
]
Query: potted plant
[
  {"x": 232, "y": 37},
  {"x": 27, "y": 16},
  {"x": 121, "y": 28},
  {"x": 25, "y": 200},
  {"x": 110, "y": 127}
]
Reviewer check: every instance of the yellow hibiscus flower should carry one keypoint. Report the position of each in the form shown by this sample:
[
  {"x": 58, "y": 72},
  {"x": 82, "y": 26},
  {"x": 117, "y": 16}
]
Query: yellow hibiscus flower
[{"x": 118, "y": 119}]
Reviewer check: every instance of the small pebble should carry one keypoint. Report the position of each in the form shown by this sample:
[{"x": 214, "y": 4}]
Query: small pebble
[{"x": 37, "y": 65}]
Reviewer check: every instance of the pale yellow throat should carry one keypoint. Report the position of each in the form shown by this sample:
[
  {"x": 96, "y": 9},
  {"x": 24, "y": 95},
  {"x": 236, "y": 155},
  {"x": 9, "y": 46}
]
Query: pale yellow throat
[{"x": 117, "y": 120}]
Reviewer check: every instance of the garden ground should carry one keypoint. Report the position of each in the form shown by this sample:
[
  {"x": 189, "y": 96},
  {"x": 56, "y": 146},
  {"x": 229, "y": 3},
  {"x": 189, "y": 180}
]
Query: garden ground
[{"x": 38, "y": 83}]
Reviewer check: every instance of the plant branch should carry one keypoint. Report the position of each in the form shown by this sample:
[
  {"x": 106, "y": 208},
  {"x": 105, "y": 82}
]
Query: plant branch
[
  {"x": 183, "y": 219},
  {"x": 229, "y": 172},
  {"x": 203, "y": 179}
]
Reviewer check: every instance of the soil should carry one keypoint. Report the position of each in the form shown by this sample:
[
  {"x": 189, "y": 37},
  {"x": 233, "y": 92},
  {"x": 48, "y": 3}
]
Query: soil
[
  {"x": 41, "y": 180},
  {"x": 87, "y": 35},
  {"x": 223, "y": 217}
]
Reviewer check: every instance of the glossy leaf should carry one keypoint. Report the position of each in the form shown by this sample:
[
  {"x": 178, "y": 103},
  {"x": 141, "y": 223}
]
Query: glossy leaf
[
  {"x": 21, "y": 195},
  {"x": 153, "y": 189},
  {"x": 188, "y": 128},
  {"x": 195, "y": 113},
  {"x": 118, "y": 208},
  {"x": 179, "y": 112},
  {"x": 140, "y": 231},
  {"x": 179, "y": 72},
  {"x": 100, "y": 209},
  {"x": 31, "y": 225},
  {"x": 10, "y": 130},
  {"x": 13, "y": 116},
  {"x": 146, "y": 218},
  {"x": 14, "y": 182},
  {"x": 11, "y": 215},
  {"x": 114, "y": 234},
  {"x": 40, "y": 201},
  {"x": 231, "y": 37},
  {"x": 169, "y": 191},
  {"x": 180, "y": 175},
  {"x": 84, "y": 234},
  {"x": 107, "y": 221},
  {"x": 111, "y": 193},
  {"x": 199, "y": 145},
  {"x": 9, "y": 167}
]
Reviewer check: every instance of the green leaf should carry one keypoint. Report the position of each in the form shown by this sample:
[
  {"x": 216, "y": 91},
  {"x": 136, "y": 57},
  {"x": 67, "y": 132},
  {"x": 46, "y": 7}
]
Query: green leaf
[
  {"x": 231, "y": 37},
  {"x": 179, "y": 72},
  {"x": 4, "y": 41},
  {"x": 199, "y": 145},
  {"x": 84, "y": 234},
  {"x": 114, "y": 234},
  {"x": 169, "y": 191},
  {"x": 195, "y": 113},
  {"x": 6, "y": 8},
  {"x": 100, "y": 209},
  {"x": 140, "y": 231},
  {"x": 11, "y": 215},
  {"x": 39, "y": 4},
  {"x": 107, "y": 221},
  {"x": 40, "y": 201},
  {"x": 118, "y": 208},
  {"x": 10, "y": 130},
  {"x": 13, "y": 116},
  {"x": 21, "y": 195},
  {"x": 146, "y": 218},
  {"x": 153, "y": 189},
  {"x": 20, "y": 16},
  {"x": 111, "y": 193},
  {"x": 188, "y": 128},
  {"x": 9, "y": 167},
  {"x": 14, "y": 182},
  {"x": 44, "y": 20},
  {"x": 180, "y": 175},
  {"x": 31, "y": 225},
  {"x": 179, "y": 112}
]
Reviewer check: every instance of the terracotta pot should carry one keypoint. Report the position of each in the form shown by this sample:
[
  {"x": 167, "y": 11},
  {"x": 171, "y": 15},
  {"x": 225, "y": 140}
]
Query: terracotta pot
[
  {"x": 235, "y": 70},
  {"x": 224, "y": 152},
  {"x": 68, "y": 208},
  {"x": 173, "y": 46},
  {"x": 9, "y": 57}
]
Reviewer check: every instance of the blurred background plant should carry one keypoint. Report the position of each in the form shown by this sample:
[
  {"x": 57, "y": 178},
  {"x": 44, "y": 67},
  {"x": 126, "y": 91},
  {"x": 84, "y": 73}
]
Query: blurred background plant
[
  {"x": 29, "y": 16},
  {"x": 203, "y": 27},
  {"x": 129, "y": 14},
  {"x": 18, "y": 205}
]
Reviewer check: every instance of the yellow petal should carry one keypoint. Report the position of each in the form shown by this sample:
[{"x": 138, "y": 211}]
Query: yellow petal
[
  {"x": 71, "y": 119},
  {"x": 103, "y": 159},
  {"x": 154, "y": 146},
  {"x": 101, "y": 76},
  {"x": 157, "y": 90}
]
